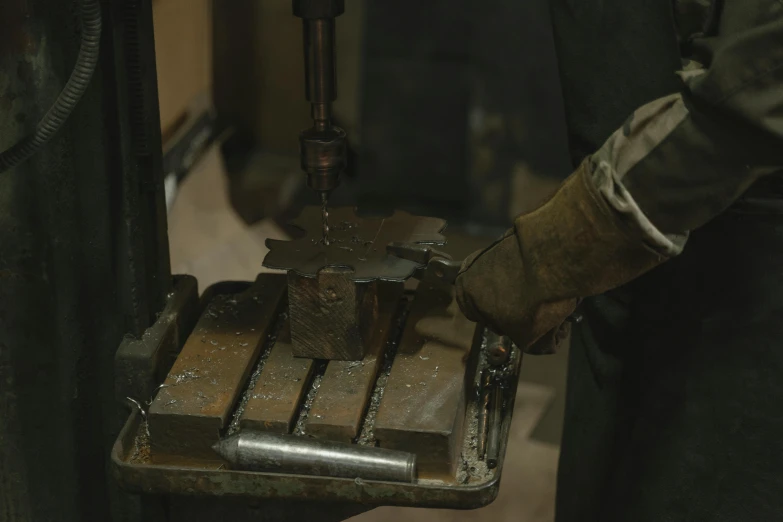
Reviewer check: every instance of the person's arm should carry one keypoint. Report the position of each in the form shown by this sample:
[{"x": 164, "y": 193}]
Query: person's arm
[
  {"x": 681, "y": 160},
  {"x": 675, "y": 164}
]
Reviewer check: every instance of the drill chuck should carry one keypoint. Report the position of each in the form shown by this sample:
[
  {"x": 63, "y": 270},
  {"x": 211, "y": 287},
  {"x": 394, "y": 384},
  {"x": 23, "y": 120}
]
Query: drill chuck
[{"x": 322, "y": 157}]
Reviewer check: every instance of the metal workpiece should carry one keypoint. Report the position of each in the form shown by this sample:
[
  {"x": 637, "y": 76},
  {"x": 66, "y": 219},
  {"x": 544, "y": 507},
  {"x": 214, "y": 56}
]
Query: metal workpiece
[
  {"x": 355, "y": 242},
  {"x": 274, "y": 453}
]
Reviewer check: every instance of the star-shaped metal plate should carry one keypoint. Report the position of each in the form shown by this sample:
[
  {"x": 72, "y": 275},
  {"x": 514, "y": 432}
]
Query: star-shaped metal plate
[{"x": 358, "y": 243}]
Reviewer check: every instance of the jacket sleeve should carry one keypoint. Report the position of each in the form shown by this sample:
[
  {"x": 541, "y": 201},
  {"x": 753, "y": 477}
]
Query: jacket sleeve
[{"x": 679, "y": 161}]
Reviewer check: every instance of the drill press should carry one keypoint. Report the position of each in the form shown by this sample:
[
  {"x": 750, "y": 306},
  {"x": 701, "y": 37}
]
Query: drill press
[
  {"x": 322, "y": 146},
  {"x": 320, "y": 382}
]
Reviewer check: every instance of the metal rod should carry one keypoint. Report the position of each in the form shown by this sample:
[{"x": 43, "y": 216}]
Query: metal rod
[
  {"x": 483, "y": 414},
  {"x": 267, "y": 452},
  {"x": 493, "y": 439}
]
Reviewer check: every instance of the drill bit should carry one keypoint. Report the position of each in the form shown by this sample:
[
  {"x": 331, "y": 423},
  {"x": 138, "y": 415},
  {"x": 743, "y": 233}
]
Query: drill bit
[{"x": 325, "y": 217}]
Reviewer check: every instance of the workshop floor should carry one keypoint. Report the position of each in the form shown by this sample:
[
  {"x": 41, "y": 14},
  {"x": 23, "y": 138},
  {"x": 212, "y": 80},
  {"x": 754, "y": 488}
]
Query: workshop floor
[{"x": 209, "y": 241}]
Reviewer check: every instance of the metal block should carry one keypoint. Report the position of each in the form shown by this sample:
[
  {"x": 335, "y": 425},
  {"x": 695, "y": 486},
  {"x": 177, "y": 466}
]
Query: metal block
[
  {"x": 339, "y": 406},
  {"x": 331, "y": 316},
  {"x": 140, "y": 364},
  {"x": 423, "y": 407},
  {"x": 274, "y": 401},
  {"x": 187, "y": 415}
]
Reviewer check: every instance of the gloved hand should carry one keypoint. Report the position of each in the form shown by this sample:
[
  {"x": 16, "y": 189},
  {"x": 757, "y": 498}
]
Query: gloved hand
[{"x": 527, "y": 283}]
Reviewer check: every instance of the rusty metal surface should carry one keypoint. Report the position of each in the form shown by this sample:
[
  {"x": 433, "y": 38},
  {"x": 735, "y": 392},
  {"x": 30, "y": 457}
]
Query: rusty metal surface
[
  {"x": 211, "y": 371},
  {"x": 356, "y": 242},
  {"x": 423, "y": 408},
  {"x": 138, "y": 468},
  {"x": 274, "y": 400},
  {"x": 342, "y": 398},
  {"x": 140, "y": 364},
  {"x": 196, "y": 479},
  {"x": 332, "y": 316},
  {"x": 134, "y": 471}
]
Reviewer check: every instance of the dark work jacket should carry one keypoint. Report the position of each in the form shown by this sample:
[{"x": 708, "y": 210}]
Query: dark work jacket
[{"x": 675, "y": 388}]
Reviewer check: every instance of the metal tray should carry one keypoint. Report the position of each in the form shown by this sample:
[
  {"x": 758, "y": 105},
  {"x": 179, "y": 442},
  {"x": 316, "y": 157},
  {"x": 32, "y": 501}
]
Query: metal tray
[{"x": 206, "y": 478}]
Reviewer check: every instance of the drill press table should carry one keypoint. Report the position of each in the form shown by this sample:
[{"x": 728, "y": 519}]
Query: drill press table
[{"x": 415, "y": 389}]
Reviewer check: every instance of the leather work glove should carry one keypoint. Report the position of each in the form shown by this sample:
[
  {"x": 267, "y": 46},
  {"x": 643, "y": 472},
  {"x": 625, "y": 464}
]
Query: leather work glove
[{"x": 528, "y": 282}]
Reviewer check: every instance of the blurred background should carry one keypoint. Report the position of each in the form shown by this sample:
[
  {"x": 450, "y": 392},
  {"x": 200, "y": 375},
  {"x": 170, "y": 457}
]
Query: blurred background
[{"x": 452, "y": 109}]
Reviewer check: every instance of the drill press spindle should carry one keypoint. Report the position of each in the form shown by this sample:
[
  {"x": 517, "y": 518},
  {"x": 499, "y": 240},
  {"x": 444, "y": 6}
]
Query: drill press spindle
[{"x": 322, "y": 147}]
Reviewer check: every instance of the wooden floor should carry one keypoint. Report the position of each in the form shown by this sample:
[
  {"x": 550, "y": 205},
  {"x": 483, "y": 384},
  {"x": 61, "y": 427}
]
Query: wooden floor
[{"x": 209, "y": 241}]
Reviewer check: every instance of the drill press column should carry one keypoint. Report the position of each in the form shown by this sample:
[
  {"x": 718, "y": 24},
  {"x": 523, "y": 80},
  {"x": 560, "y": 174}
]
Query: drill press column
[{"x": 322, "y": 147}]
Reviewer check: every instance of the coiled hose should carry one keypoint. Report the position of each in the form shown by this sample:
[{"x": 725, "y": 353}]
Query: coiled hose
[{"x": 74, "y": 89}]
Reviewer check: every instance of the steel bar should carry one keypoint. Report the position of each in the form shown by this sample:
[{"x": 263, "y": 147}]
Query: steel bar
[
  {"x": 483, "y": 414},
  {"x": 276, "y": 396},
  {"x": 346, "y": 387},
  {"x": 423, "y": 406},
  {"x": 208, "y": 376},
  {"x": 493, "y": 438},
  {"x": 266, "y": 452}
]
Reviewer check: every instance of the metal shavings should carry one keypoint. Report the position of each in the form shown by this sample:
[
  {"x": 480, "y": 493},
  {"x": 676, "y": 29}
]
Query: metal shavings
[
  {"x": 155, "y": 393},
  {"x": 367, "y": 433},
  {"x": 308, "y": 402},
  {"x": 142, "y": 410},
  {"x": 233, "y": 427},
  {"x": 141, "y": 445},
  {"x": 185, "y": 376}
]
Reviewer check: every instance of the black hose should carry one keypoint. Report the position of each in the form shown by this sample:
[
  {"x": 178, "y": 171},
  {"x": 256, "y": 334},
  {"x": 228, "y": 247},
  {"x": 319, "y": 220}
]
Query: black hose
[{"x": 90, "y": 12}]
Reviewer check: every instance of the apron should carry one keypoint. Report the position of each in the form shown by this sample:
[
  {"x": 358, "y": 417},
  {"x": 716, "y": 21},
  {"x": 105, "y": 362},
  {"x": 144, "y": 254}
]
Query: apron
[{"x": 674, "y": 407}]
